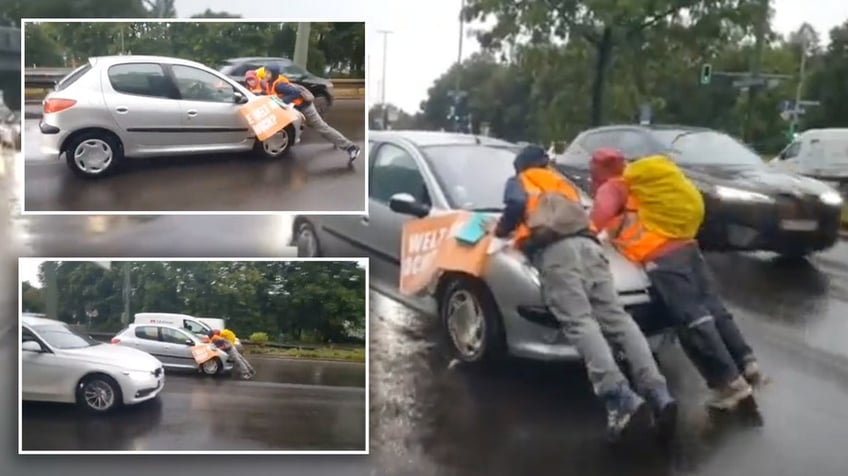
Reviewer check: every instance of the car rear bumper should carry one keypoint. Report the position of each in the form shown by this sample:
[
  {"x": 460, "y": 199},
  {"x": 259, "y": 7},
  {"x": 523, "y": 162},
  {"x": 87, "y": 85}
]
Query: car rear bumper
[
  {"x": 51, "y": 139},
  {"x": 766, "y": 227}
]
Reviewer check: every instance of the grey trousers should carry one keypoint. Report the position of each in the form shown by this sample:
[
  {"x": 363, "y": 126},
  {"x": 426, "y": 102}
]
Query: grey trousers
[
  {"x": 579, "y": 290},
  {"x": 240, "y": 364},
  {"x": 315, "y": 121}
]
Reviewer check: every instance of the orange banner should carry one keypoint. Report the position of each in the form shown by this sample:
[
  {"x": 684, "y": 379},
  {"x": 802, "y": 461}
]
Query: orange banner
[
  {"x": 204, "y": 352},
  {"x": 265, "y": 117},
  {"x": 429, "y": 247}
]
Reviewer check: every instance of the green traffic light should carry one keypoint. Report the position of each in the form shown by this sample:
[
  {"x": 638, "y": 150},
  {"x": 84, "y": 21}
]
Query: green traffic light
[{"x": 706, "y": 74}]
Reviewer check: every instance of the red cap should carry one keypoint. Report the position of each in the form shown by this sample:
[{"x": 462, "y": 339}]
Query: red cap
[{"x": 606, "y": 163}]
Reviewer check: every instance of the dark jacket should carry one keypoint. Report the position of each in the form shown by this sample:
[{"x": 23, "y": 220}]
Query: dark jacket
[
  {"x": 288, "y": 93},
  {"x": 515, "y": 197}
]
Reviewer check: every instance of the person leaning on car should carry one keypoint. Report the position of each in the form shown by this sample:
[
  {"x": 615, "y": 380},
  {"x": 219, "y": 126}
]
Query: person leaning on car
[
  {"x": 253, "y": 83},
  {"x": 679, "y": 274},
  {"x": 240, "y": 365},
  {"x": 289, "y": 93},
  {"x": 578, "y": 288}
]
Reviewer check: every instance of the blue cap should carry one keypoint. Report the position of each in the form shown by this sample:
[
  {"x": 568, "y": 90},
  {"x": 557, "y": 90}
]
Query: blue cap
[{"x": 273, "y": 68}]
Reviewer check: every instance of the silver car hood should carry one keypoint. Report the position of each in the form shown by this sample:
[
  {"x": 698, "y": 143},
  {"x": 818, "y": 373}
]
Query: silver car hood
[{"x": 628, "y": 276}]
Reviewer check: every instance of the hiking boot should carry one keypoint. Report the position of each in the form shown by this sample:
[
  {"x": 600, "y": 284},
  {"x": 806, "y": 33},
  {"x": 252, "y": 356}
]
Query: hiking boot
[
  {"x": 665, "y": 410},
  {"x": 754, "y": 375},
  {"x": 353, "y": 152},
  {"x": 729, "y": 396},
  {"x": 624, "y": 407}
]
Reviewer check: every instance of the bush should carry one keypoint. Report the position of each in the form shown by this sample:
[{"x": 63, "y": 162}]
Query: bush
[{"x": 260, "y": 338}]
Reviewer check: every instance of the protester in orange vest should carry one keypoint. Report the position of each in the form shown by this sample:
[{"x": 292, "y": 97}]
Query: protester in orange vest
[
  {"x": 241, "y": 367},
  {"x": 280, "y": 86},
  {"x": 253, "y": 83},
  {"x": 579, "y": 290},
  {"x": 679, "y": 275}
]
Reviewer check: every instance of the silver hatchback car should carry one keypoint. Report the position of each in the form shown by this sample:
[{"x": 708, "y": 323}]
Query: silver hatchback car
[
  {"x": 415, "y": 174},
  {"x": 171, "y": 345},
  {"x": 117, "y": 107}
]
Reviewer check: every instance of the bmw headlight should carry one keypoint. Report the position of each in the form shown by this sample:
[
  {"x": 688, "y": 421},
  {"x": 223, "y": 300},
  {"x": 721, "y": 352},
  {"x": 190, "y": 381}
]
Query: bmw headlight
[
  {"x": 730, "y": 193},
  {"x": 831, "y": 198},
  {"x": 137, "y": 375}
]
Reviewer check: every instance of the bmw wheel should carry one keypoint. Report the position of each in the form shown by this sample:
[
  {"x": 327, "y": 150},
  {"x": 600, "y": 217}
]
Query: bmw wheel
[
  {"x": 306, "y": 240},
  {"x": 472, "y": 322},
  {"x": 93, "y": 154},
  {"x": 99, "y": 394},
  {"x": 277, "y": 145}
]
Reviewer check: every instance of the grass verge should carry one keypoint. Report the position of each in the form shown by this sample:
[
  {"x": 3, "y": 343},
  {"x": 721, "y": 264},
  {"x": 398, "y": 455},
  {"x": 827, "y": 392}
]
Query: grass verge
[{"x": 320, "y": 353}]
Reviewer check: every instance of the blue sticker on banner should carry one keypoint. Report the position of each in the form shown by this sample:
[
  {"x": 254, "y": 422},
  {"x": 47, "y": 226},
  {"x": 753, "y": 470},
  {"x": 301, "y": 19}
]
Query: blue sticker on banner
[{"x": 473, "y": 230}]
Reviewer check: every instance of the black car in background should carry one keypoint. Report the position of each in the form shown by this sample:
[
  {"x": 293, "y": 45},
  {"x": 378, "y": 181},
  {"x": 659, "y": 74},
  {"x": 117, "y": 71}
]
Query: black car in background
[
  {"x": 321, "y": 88},
  {"x": 749, "y": 206}
]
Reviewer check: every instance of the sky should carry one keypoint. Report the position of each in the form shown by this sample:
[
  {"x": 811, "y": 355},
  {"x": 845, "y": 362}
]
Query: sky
[{"x": 426, "y": 34}]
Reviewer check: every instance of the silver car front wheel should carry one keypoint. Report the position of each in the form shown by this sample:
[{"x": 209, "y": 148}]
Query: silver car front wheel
[
  {"x": 472, "y": 321},
  {"x": 277, "y": 145},
  {"x": 211, "y": 366}
]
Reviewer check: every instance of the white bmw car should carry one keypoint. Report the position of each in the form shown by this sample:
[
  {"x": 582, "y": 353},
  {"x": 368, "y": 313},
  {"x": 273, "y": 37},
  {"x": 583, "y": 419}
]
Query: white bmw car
[{"x": 59, "y": 364}]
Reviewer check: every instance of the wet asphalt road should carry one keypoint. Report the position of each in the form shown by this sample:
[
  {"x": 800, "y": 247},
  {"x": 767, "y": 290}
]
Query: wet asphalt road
[
  {"x": 314, "y": 177},
  {"x": 528, "y": 418},
  {"x": 291, "y": 405}
]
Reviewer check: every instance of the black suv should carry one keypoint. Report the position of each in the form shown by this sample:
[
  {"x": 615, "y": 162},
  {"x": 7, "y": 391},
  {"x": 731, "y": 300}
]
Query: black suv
[{"x": 321, "y": 88}]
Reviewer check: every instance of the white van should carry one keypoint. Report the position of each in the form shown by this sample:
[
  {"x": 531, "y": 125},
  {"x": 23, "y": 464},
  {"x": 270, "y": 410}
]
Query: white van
[
  {"x": 817, "y": 153},
  {"x": 182, "y": 321}
]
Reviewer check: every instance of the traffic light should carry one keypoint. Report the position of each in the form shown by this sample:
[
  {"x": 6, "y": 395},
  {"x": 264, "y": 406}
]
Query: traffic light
[{"x": 706, "y": 74}]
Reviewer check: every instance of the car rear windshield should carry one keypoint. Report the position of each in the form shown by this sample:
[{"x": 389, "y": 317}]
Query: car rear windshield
[
  {"x": 706, "y": 147},
  {"x": 73, "y": 76},
  {"x": 60, "y": 336},
  {"x": 472, "y": 176}
]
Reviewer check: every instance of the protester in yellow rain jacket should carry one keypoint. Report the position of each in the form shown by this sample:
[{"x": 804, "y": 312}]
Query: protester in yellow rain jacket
[{"x": 229, "y": 335}]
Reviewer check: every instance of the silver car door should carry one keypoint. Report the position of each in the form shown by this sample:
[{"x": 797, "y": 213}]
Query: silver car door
[
  {"x": 146, "y": 338},
  {"x": 143, "y": 102},
  {"x": 345, "y": 235},
  {"x": 176, "y": 347},
  {"x": 210, "y": 113},
  {"x": 395, "y": 170}
]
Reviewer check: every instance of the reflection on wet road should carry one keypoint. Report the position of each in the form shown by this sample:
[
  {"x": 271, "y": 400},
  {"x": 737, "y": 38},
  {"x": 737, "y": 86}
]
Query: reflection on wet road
[
  {"x": 314, "y": 177},
  {"x": 530, "y": 418},
  {"x": 197, "y": 413}
]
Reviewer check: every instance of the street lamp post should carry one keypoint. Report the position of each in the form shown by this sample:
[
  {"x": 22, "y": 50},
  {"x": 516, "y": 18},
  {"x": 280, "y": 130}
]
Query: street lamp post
[
  {"x": 805, "y": 38},
  {"x": 385, "y": 110}
]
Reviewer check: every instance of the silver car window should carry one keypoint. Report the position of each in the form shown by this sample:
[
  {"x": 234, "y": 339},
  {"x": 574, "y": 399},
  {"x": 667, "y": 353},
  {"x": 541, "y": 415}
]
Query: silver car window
[
  {"x": 147, "y": 332},
  {"x": 395, "y": 171},
  {"x": 174, "y": 336},
  {"x": 140, "y": 79},
  {"x": 198, "y": 85},
  {"x": 194, "y": 327}
]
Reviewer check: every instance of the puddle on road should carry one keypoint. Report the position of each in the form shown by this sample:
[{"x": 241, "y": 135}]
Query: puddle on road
[{"x": 306, "y": 372}]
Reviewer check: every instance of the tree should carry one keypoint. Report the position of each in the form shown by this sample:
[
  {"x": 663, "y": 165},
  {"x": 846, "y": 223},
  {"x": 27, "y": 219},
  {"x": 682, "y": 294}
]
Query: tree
[
  {"x": 604, "y": 25},
  {"x": 828, "y": 83},
  {"x": 212, "y": 14},
  {"x": 31, "y": 298}
]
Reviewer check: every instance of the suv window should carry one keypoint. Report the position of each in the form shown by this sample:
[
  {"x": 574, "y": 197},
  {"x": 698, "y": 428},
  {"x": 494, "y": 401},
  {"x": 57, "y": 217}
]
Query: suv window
[
  {"x": 140, "y": 79},
  {"x": 198, "y": 85},
  {"x": 194, "y": 327},
  {"x": 791, "y": 151},
  {"x": 147, "y": 332},
  {"x": 174, "y": 336},
  {"x": 395, "y": 171}
]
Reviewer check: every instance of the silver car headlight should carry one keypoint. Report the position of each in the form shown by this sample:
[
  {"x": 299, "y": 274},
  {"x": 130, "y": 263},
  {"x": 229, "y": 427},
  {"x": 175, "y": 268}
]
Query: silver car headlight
[
  {"x": 831, "y": 198},
  {"x": 730, "y": 193}
]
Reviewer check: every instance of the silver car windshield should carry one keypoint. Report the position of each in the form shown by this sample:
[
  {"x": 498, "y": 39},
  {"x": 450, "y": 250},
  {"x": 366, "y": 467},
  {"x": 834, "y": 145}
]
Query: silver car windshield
[
  {"x": 63, "y": 337},
  {"x": 473, "y": 176}
]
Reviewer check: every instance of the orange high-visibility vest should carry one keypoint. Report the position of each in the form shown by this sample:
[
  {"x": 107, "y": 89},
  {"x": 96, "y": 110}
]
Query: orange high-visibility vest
[
  {"x": 272, "y": 89},
  {"x": 629, "y": 236},
  {"x": 536, "y": 181}
]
